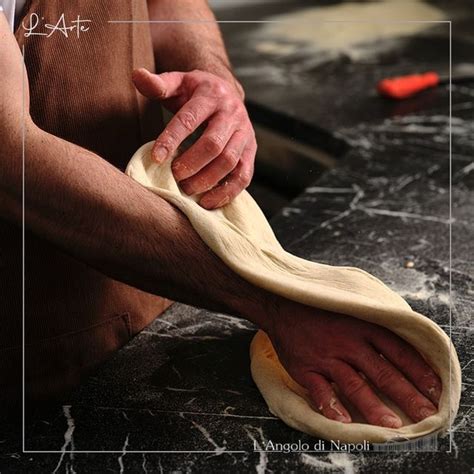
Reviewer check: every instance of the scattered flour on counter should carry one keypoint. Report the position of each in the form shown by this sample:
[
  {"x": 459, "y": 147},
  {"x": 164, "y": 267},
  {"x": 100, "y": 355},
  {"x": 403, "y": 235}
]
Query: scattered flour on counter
[
  {"x": 289, "y": 211},
  {"x": 412, "y": 283},
  {"x": 333, "y": 462}
]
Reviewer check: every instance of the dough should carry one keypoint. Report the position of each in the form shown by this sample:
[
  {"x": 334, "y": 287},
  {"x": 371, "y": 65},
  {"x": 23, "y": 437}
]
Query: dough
[{"x": 241, "y": 236}]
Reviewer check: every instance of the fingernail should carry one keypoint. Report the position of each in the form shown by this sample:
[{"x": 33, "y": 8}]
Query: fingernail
[
  {"x": 343, "y": 419},
  {"x": 425, "y": 412},
  {"x": 160, "y": 153},
  {"x": 390, "y": 421}
]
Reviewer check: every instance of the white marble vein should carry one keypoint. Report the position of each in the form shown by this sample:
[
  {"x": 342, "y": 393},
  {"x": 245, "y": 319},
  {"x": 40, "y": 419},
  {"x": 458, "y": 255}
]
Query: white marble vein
[
  {"x": 261, "y": 467},
  {"x": 124, "y": 452},
  {"x": 68, "y": 441}
]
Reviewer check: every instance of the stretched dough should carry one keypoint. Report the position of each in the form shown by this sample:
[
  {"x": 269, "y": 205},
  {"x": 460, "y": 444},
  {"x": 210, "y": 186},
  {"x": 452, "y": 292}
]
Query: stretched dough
[{"x": 241, "y": 236}]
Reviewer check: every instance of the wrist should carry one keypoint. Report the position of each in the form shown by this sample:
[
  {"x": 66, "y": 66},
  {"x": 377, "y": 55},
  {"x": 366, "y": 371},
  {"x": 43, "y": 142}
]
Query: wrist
[
  {"x": 220, "y": 67},
  {"x": 260, "y": 307},
  {"x": 225, "y": 73},
  {"x": 228, "y": 76}
]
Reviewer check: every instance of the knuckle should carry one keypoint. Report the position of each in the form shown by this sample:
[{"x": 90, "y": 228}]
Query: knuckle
[
  {"x": 234, "y": 106},
  {"x": 246, "y": 180},
  {"x": 213, "y": 144},
  {"x": 353, "y": 356},
  {"x": 245, "y": 177},
  {"x": 220, "y": 88},
  {"x": 354, "y": 387},
  {"x": 229, "y": 158},
  {"x": 188, "y": 120},
  {"x": 384, "y": 378},
  {"x": 412, "y": 400}
]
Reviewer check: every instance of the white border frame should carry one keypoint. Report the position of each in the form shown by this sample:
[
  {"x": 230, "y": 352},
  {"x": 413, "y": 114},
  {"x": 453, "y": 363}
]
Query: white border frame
[{"x": 63, "y": 452}]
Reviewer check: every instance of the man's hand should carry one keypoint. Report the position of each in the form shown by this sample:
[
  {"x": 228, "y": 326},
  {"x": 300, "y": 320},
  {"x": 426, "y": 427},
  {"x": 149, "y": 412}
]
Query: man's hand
[
  {"x": 319, "y": 348},
  {"x": 220, "y": 163}
]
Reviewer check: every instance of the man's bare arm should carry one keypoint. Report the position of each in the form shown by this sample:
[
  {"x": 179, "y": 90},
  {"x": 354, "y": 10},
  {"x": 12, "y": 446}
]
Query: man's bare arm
[{"x": 96, "y": 213}]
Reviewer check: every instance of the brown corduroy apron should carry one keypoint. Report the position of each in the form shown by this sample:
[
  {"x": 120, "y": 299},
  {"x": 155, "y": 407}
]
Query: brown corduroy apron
[{"x": 81, "y": 91}]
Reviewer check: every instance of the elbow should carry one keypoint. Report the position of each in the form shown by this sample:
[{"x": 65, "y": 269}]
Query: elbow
[{"x": 12, "y": 138}]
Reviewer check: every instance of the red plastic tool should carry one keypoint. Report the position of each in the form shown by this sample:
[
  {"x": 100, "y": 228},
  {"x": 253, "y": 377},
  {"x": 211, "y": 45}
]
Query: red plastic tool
[{"x": 405, "y": 86}]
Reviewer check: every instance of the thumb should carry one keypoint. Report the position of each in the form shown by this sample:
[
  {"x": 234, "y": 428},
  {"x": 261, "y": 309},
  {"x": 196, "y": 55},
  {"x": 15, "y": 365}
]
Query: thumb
[{"x": 157, "y": 86}]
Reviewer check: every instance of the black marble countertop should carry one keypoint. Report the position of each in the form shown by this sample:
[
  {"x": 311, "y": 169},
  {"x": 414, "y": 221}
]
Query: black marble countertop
[{"x": 184, "y": 383}]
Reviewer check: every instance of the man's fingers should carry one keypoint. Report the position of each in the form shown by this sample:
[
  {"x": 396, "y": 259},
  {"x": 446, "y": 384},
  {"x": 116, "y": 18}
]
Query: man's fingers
[
  {"x": 358, "y": 392},
  {"x": 209, "y": 146},
  {"x": 324, "y": 397},
  {"x": 234, "y": 184},
  {"x": 183, "y": 124},
  {"x": 157, "y": 86},
  {"x": 219, "y": 168},
  {"x": 392, "y": 383},
  {"x": 409, "y": 362}
]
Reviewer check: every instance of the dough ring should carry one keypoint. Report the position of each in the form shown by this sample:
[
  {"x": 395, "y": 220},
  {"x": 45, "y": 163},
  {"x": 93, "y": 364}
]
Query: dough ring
[{"x": 241, "y": 236}]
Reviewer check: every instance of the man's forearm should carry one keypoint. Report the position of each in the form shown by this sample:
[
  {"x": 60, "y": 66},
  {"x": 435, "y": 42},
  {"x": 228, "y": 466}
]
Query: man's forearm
[
  {"x": 96, "y": 213},
  {"x": 196, "y": 44}
]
